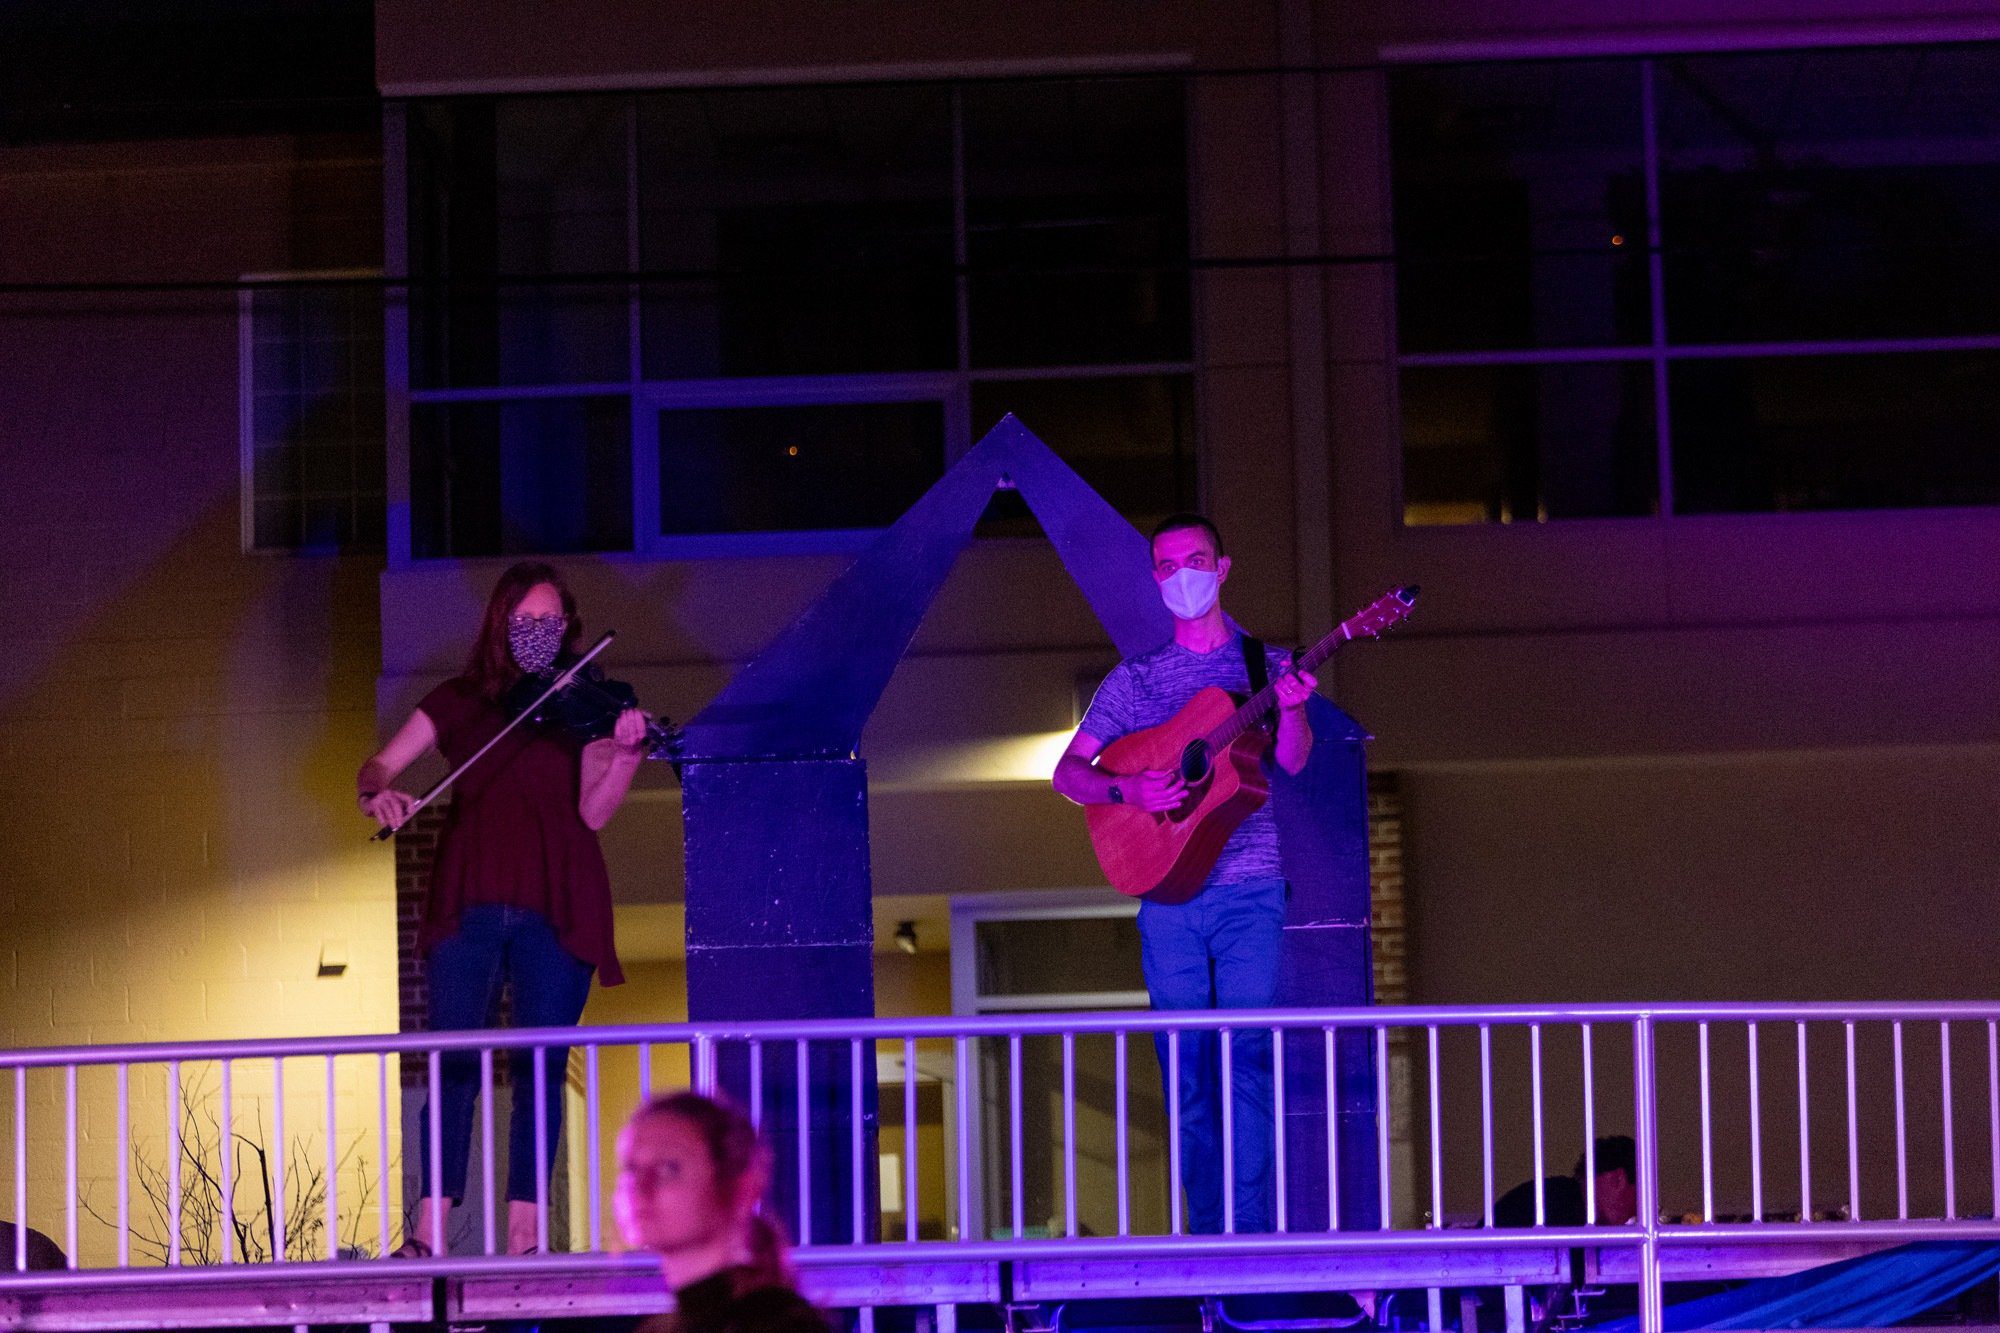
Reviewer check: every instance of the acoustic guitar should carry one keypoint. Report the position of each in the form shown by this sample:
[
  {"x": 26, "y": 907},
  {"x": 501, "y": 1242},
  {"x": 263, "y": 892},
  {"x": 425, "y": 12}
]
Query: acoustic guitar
[{"x": 1217, "y": 743}]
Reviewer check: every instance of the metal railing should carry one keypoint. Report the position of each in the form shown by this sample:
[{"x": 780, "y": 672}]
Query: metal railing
[{"x": 1044, "y": 1142}]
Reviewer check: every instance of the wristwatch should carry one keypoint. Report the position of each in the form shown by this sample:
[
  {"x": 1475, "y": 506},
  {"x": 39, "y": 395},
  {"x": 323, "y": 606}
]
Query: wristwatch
[{"x": 1117, "y": 796}]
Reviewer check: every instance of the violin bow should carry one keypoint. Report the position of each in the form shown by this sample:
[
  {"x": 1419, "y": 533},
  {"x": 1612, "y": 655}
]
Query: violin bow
[{"x": 562, "y": 680}]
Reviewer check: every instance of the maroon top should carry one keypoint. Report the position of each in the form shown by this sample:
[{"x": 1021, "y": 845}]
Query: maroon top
[{"x": 513, "y": 835}]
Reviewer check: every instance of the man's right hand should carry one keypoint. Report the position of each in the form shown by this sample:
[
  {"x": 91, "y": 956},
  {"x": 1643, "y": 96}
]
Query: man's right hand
[{"x": 1156, "y": 790}]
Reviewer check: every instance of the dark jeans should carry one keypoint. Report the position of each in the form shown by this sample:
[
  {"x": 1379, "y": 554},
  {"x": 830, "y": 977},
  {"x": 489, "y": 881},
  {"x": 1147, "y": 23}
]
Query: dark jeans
[
  {"x": 495, "y": 942},
  {"x": 1219, "y": 950}
]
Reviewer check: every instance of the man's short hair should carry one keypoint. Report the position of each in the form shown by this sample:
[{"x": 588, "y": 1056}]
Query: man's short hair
[
  {"x": 1181, "y": 523},
  {"x": 1613, "y": 1152}
]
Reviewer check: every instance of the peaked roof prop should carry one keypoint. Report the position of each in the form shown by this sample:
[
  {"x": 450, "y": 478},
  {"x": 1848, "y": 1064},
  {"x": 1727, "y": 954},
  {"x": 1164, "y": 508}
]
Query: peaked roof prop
[{"x": 811, "y": 690}]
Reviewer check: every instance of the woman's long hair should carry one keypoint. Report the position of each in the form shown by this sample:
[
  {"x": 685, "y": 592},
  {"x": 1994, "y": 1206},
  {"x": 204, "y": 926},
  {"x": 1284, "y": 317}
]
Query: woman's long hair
[
  {"x": 738, "y": 1156},
  {"x": 491, "y": 667}
]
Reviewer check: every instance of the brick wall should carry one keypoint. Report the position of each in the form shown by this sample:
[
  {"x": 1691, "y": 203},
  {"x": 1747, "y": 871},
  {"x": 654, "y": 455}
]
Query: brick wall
[{"x": 1385, "y": 889}]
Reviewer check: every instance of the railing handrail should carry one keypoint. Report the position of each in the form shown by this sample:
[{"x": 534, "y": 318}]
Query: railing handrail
[{"x": 999, "y": 1025}]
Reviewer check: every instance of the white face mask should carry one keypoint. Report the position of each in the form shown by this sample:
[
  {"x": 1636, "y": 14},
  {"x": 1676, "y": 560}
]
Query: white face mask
[{"x": 1189, "y": 593}]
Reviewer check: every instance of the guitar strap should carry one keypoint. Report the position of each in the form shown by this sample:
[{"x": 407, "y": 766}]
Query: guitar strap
[{"x": 1253, "y": 662}]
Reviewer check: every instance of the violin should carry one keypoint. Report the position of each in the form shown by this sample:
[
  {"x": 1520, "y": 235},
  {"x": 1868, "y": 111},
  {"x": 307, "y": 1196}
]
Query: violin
[
  {"x": 586, "y": 707},
  {"x": 576, "y": 699}
]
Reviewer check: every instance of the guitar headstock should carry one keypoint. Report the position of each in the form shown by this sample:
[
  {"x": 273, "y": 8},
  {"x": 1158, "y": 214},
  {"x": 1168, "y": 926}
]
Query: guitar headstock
[{"x": 1386, "y": 612}]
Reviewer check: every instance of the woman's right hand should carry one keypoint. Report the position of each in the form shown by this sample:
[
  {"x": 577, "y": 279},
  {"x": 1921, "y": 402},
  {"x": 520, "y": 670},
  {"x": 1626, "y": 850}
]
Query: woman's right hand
[{"x": 389, "y": 808}]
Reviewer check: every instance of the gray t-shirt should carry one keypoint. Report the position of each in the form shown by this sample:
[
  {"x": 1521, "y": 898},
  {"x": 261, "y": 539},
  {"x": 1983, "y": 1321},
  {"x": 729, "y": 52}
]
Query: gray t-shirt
[{"x": 1146, "y": 690}]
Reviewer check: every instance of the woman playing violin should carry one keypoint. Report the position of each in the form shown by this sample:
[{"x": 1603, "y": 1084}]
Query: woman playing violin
[{"x": 518, "y": 892}]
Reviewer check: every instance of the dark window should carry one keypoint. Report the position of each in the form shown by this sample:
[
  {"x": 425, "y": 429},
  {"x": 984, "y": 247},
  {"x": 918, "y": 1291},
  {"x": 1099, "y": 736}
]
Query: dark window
[
  {"x": 1130, "y": 437},
  {"x": 820, "y": 219},
  {"x": 1520, "y": 207},
  {"x": 507, "y": 198},
  {"x": 535, "y": 475},
  {"x": 787, "y": 469},
  {"x": 1076, "y": 222},
  {"x": 1756, "y": 434},
  {"x": 314, "y": 426},
  {"x": 1513, "y": 443},
  {"x": 1831, "y": 194}
]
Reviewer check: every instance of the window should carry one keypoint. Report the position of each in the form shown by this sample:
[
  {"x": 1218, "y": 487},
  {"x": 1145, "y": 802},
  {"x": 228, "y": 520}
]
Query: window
[
  {"x": 798, "y": 305},
  {"x": 1697, "y": 284},
  {"x": 312, "y": 422}
]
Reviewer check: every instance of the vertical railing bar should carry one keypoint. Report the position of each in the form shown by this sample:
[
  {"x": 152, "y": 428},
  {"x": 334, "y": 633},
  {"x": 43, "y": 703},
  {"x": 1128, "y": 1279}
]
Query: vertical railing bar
[
  {"x": 756, "y": 1084},
  {"x": 382, "y": 1149},
  {"x": 1707, "y": 1133},
  {"x": 1437, "y": 1148},
  {"x": 124, "y": 1165},
  {"x": 227, "y": 1204},
  {"x": 645, "y": 1071},
  {"x": 173, "y": 1166},
  {"x": 1069, "y": 1132},
  {"x": 857, "y": 1231},
  {"x": 594, "y": 1146},
  {"x": 1805, "y": 1131},
  {"x": 910, "y": 1153},
  {"x": 434, "y": 1078},
  {"x": 1756, "y": 1132},
  {"x": 1486, "y": 1121},
  {"x": 1853, "y": 1134},
  {"x": 1902, "y": 1136},
  {"x": 1278, "y": 1119},
  {"x": 961, "y": 1059},
  {"x": 1589, "y": 1133},
  {"x": 21, "y": 1169},
  {"x": 1227, "y": 1092},
  {"x": 1646, "y": 1096},
  {"x": 69, "y": 1164},
  {"x": 805, "y": 1142},
  {"x": 1122, "y": 1144},
  {"x": 1993, "y": 1106},
  {"x": 332, "y": 1199},
  {"x": 1331, "y": 1069},
  {"x": 1014, "y": 1170},
  {"x": 489, "y": 1202},
  {"x": 1950, "y": 1149},
  {"x": 280, "y": 1242},
  {"x": 1535, "y": 1095},
  {"x": 541, "y": 1086},
  {"x": 1385, "y": 1218},
  {"x": 1174, "y": 1218}
]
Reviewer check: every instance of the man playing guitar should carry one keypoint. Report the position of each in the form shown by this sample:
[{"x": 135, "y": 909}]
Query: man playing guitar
[{"x": 1219, "y": 948}]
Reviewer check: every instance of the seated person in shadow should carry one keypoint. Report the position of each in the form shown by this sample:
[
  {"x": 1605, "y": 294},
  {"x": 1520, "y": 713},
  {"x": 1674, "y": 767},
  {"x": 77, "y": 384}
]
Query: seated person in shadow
[{"x": 1614, "y": 1185}]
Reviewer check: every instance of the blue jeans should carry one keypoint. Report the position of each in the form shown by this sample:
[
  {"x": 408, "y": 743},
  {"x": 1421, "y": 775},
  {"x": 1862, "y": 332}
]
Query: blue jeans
[
  {"x": 1219, "y": 950},
  {"x": 465, "y": 970}
]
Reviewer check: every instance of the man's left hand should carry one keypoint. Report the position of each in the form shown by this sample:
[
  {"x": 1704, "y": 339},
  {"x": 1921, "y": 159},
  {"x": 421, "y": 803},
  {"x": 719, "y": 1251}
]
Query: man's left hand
[{"x": 1294, "y": 688}]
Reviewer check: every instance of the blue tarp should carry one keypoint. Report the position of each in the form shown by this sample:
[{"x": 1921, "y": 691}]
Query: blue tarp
[{"x": 1874, "y": 1291}]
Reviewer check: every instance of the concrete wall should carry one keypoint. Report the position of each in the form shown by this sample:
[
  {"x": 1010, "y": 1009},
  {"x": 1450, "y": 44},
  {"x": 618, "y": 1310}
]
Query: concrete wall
[{"x": 180, "y": 721}]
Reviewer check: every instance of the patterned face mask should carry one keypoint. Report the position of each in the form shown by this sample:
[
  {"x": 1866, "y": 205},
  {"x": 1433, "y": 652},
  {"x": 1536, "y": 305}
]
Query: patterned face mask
[{"x": 535, "y": 641}]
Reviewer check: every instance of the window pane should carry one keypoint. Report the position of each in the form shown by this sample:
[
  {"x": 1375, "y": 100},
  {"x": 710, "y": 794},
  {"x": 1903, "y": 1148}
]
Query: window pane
[
  {"x": 826, "y": 216},
  {"x": 538, "y": 477},
  {"x": 1513, "y": 444},
  {"x": 1130, "y": 436},
  {"x": 788, "y": 469},
  {"x": 1831, "y": 194},
  {"x": 530, "y": 187},
  {"x": 316, "y": 425},
  {"x": 1519, "y": 200},
  {"x": 1835, "y": 432},
  {"x": 1061, "y": 176}
]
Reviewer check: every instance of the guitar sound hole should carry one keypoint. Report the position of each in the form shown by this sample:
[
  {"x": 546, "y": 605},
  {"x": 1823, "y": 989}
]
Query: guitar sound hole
[{"x": 1194, "y": 763}]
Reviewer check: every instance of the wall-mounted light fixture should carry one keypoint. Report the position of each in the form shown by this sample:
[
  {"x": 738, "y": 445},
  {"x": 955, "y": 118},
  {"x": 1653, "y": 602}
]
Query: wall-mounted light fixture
[{"x": 906, "y": 936}]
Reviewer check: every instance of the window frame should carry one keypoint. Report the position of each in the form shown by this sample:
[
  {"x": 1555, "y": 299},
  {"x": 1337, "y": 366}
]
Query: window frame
[
  {"x": 247, "y": 289},
  {"x": 1659, "y": 351},
  {"x": 951, "y": 386}
]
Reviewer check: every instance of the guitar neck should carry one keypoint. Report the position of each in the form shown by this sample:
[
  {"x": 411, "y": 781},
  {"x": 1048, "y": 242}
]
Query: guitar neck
[{"x": 1260, "y": 703}]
